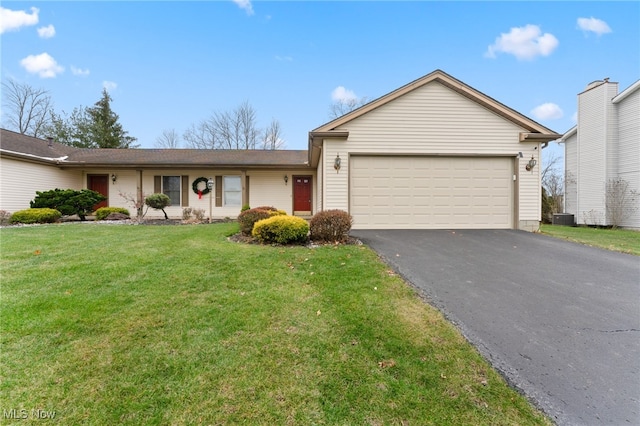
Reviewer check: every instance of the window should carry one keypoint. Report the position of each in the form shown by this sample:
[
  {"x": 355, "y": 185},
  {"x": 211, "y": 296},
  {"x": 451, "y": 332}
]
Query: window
[
  {"x": 232, "y": 190},
  {"x": 171, "y": 188}
]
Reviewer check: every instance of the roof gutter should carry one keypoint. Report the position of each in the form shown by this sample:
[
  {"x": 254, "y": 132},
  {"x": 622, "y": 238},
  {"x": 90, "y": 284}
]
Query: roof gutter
[
  {"x": 33, "y": 158},
  {"x": 543, "y": 138},
  {"x": 316, "y": 139}
]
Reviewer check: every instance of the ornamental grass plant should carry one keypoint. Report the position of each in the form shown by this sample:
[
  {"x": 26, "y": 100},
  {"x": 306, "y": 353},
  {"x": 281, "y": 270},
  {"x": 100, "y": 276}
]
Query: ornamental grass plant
[{"x": 138, "y": 325}]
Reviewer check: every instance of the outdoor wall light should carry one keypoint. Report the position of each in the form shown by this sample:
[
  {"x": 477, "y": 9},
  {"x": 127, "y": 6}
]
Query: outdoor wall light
[
  {"x": 210, "y": 184},
  {"x": 286, "y": 179},
  {"x": 114, "y": 178},
  {"x": 336, "y": 163},
  {"x": 531, "y": 164}
]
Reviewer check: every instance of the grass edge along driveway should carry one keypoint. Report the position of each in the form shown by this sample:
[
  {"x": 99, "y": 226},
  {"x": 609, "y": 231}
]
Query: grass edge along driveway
[
  {"x": 622, "y": 240},
  {"x": 177, "y": 325}
]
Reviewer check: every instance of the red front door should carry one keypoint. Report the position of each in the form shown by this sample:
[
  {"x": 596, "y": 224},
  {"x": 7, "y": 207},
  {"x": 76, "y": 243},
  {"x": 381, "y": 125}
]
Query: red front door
[
  {"x": 302, "y": 194},
  {"x": 99, "y": 183}
]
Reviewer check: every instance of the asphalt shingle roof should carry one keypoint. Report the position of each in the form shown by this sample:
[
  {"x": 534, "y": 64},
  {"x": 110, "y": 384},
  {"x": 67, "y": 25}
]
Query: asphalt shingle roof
[{"x": 69, "y": 156}]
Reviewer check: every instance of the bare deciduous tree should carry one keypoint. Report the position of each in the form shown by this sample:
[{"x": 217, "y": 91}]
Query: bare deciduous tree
[
  {"x": 28, "y": 109},
  {"x": 232, "y": 130},
  {"x": 168, "y": 139},
  {"x": 553, "y": 181},
  {"x": 621, "y": 201},
  {"x": 272, "y": 137},
  {"x": 344, "y": 106}
]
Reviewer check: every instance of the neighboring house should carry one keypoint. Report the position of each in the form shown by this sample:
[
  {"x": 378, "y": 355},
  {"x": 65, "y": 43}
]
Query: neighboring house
[
  {"x": 603, "y": 146},
  {"x": 434, "y": 154}
]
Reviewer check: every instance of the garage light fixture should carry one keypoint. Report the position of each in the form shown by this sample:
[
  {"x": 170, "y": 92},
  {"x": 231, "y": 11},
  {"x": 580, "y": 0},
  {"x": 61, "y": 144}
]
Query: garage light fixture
[
  {"x": 336, "y": 163},
  {"x": 531, "y": 164},
  {"x": 114, "y": 178},
  {"x": 286, "y": 179}
]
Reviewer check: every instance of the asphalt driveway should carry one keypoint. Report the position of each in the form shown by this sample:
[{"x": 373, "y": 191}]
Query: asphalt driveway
[{"x": 559, "y": 320}]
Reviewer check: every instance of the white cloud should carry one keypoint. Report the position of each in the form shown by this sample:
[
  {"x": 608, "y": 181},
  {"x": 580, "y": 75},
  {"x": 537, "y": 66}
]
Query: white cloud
[
  {"x": 109, "y": 85},
  {"x": 547, "y": 111},
  {"x": 246, "y": 5},
  {"x": 46, "y": 32},
  {"x": 574, "y": 117},
  {"x": 340, "y": 94},
  {"x": 524, "y": 43},
  {"x": 79, "y": 71},
  {"x": 12, "y": 20},
  {"x": 284, "y": 58},
  {"x": 43, "y": 65},
  {"x": 593, "y": 25}
]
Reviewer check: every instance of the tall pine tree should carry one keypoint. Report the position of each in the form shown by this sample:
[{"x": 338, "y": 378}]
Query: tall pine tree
[
  {"x": 95, "y": 127},
  {"x": 106, "y": 131}
]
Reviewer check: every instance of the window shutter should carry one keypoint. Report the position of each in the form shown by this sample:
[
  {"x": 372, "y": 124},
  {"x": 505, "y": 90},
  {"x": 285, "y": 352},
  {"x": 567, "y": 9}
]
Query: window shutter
[
  {"x": 218, "y": 191},
  {"x": 246, "y": 197},
  {"x": 185, "y": 191},
  {"x": 157, "y": 184}
]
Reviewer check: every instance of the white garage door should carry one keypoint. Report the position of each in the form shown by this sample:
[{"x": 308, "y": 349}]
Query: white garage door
[{"x": 431, "y": 192}]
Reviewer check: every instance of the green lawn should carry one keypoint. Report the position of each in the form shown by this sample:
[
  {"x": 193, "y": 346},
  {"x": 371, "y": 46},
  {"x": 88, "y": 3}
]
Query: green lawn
[
  {"x": 623, "y": 240},
  {"x": 177, "y": 325}
]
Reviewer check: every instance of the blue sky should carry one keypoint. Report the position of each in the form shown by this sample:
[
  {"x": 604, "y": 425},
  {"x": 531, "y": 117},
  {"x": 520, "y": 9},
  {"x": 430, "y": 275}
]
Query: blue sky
[{"x": 168, "y": 65}]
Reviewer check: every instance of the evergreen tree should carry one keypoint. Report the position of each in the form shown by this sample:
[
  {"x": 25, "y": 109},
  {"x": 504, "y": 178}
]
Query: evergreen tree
[
  {"x": 106, "y": 131},
  {"x": 94, "y": 127}
]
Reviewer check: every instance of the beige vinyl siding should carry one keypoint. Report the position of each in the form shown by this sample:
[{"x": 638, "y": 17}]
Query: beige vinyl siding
[
  {"x": 571, "y": 164},
  {"x": 265, "y": 188},
  {"x": 121, "y": 191},
  {"x": 20, "y": 180},
  {"x": 432, "y": 119},
  {"x": 629, "y": 148},
  {"x": 269, "y": 189}
]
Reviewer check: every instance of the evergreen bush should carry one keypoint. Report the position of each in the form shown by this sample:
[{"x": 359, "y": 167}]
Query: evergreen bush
[
  {"x": 36, "y": 215},
  {"x": 248, "y": 218},
  {"x": 68, "y": 201},
  {"x": 281, "y": 229},
  {"x": 103, "y": 212}
]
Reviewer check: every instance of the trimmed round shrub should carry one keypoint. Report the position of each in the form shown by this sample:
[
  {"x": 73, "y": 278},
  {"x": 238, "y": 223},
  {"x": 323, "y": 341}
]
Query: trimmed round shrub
[
  {"x": 248, "y": 218},
  {"x": 281, "y": 229},
  {"x": 36, "y": 215},
  {"x": 103, "y": 212},
  {"x": 330, "y": 226},
  {"x": 158, "y": 201}
]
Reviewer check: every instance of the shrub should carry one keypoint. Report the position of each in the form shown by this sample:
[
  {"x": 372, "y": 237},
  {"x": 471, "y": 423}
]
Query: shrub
[
  {"x": 103, "y": 212},
  {"x": 158, "y": 202},
  {"x": 330, "y": 225},
  {"x": 281, "y": 229},
  {"x": 197, "y": 213},
  {"x": 36, "y": 215},
  {"x": 68, "y": 201},
  {"x": 248, "y": 218},
  {"x": 186, "y": 213},
  {"x": 5, "y": 217},
  {"x": 245, "y": 207}
]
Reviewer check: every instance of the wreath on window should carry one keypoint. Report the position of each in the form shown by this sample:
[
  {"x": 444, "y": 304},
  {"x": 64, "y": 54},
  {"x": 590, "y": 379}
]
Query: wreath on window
[{"x": 197, "y": 190}]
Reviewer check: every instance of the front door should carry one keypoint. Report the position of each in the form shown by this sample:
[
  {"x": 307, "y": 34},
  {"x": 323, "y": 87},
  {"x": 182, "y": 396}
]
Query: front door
[
  {"x": 302, "y": 195},
  {"x": 99, "y": 183}
]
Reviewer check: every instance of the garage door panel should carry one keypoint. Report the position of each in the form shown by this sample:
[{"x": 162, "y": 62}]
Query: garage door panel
[{"x": 431, "y": 192}]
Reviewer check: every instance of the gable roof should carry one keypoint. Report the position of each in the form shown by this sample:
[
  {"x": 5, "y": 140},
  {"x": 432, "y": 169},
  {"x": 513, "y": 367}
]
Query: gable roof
[
  {"x": 534, "y": 130},
  {"x": 626, "y": 92},
  {"x": 27, "y": 148}
]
